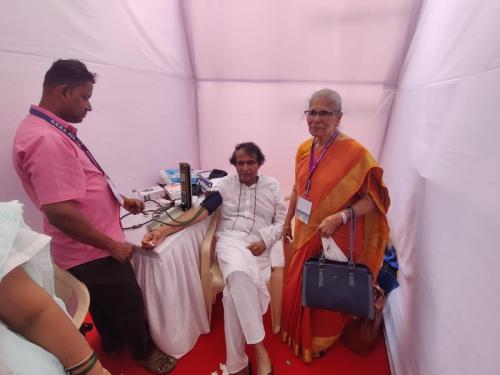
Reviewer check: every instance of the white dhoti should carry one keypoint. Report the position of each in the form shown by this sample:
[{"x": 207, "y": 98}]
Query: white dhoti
[{"x": 245, "y": 296}]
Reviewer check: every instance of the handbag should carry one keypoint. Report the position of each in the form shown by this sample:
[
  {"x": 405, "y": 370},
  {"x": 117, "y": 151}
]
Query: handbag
[{"x": 346, "y": 287}]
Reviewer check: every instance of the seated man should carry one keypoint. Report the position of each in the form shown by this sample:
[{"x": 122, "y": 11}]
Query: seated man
[{"x": 251, "y": 220}]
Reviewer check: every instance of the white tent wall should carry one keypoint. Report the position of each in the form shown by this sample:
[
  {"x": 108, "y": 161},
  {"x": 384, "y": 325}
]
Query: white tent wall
[
  {"x": 144, "y": 101},
  {"x": 257, "y": 63},
  {"x": 271, "y": 114},
  {"x": 441, "y": 158},
  {"x": 186, "y": 80}
]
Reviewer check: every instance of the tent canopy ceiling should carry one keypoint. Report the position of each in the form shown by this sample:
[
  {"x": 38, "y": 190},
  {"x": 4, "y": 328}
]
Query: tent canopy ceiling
[{"x": 320, "y": 40}]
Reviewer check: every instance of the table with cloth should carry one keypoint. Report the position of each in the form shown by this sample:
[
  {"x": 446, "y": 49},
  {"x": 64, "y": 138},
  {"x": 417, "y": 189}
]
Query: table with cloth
[{"x": 169, "y": 277}]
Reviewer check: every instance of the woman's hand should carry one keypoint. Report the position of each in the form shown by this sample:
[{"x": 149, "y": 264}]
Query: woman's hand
[
  {"x": 152, "y": 239},
  {"x": 286, "y": 233},
  {"x": 330, "y": 224}
]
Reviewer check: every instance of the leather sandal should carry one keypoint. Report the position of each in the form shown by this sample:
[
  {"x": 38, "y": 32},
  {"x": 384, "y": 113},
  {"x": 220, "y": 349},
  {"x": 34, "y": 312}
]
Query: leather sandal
[{"x": 159, "y": 362}]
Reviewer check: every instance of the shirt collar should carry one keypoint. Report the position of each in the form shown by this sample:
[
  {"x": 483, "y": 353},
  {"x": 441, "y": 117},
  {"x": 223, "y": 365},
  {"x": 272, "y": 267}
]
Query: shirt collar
[
  {"x": 68, "y": 126},
  {"x": 253, "y": 186}
]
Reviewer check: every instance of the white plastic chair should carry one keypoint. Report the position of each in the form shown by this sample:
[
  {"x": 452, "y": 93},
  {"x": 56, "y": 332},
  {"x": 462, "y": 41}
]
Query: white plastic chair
[{"x": 74, "y": 294}]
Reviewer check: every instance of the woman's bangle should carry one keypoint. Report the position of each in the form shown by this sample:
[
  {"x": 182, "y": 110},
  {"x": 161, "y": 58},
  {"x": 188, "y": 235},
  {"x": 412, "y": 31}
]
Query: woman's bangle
[
  {"x": 84, "y": 366},
  {"x": 88, "y": 367},
  {"x": 344, "y": 217}
]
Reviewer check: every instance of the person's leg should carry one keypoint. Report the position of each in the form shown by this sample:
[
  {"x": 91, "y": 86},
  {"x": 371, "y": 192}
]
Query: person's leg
[
  {"x": 246, "y": 307},
  {"x": 236, "y": 359},
  {"x": 111, "y": 340},
  {"x": 262, "y": 358},
  {"x": 117, "y": 301}
]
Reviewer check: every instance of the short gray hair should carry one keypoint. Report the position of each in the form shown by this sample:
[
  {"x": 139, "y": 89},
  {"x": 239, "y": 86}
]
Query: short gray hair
[{"x": 332, "y": 95}]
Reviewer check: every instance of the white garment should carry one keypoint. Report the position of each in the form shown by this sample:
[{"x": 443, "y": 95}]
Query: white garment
[
  {"x": 20, "y": 246},
  {"x": 332, "y": 250},
  {"x": 265, "y": 196},
  {"x": 250, "y": 214},
  {"x": 242, "y": 319}
]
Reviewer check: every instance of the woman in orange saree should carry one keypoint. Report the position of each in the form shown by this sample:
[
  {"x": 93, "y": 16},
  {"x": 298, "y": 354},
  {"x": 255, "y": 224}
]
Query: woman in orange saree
[{"x": 332, "y": 172}]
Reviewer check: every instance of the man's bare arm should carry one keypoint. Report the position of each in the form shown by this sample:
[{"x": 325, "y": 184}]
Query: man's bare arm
[
  {"x": 156, "y": 236},
  {"x": 192, "y": 216}
]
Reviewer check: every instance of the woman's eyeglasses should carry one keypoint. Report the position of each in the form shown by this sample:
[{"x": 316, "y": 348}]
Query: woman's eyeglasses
[{"x": 321, "y": 114}]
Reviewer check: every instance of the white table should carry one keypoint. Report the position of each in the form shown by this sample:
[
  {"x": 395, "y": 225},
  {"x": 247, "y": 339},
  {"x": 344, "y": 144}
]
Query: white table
[{"x": 169, "y": 277}]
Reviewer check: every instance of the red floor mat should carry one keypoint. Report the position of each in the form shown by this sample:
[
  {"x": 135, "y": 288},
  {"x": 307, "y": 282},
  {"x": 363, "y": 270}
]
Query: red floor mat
[{"x": 209, "y": 352}]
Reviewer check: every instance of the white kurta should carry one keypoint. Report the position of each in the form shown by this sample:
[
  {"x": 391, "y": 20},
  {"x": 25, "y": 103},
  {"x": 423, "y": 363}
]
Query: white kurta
[{"x": 249, "y": 214}]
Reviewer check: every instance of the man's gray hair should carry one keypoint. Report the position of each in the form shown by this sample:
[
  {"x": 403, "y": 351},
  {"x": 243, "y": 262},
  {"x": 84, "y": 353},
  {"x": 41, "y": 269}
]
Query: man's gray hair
[{"x": 332, "y": 95}]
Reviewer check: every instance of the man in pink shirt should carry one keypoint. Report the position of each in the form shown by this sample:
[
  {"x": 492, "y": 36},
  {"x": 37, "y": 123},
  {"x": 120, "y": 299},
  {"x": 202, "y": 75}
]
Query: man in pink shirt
[{"x": 82, "y": 211}]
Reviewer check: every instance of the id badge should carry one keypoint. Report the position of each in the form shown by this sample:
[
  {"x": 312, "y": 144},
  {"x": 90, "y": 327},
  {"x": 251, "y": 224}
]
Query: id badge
[
  {"x": 117, "y": 195},
  {"x": 303, "y": 210}
]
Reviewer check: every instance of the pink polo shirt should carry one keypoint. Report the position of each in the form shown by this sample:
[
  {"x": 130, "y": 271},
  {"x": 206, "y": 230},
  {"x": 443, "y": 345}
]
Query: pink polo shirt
[{"x": 54, "y": 169}]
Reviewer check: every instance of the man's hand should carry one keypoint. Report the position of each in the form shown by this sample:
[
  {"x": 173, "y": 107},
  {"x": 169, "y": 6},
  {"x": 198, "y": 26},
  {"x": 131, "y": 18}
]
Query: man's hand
[
  {"x": 121, "y": 251},
  {"x": 257, "y": 248},
  {"x": 132, "y": 205},
  {"x": 152, "y": 239},
  {"x": 330, "y": 224}
]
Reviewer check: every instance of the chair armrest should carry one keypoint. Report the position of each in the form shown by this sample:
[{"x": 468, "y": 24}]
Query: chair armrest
[
  {"x": 208, "y": 245},
  {"x": 210, "y": 275},
  {"x": 74, "y": 294}
]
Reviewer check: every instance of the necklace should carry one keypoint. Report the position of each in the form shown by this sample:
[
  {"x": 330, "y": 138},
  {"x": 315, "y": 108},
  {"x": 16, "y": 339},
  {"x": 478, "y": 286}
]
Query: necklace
[{"x": 254, "y": 206}]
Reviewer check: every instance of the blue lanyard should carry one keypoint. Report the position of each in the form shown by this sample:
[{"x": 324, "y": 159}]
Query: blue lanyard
[
  {"x": 69, "y": 134},
  {"x": 314, "y": 164}
]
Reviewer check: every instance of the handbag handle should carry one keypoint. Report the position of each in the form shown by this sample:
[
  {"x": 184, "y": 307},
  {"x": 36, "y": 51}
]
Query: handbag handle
[
  {"x": 350, "y": 261},
  {"x": 351, "y": 237}
]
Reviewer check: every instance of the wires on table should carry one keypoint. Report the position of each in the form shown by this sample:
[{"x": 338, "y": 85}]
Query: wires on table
[{"x": 160, "y": 211}]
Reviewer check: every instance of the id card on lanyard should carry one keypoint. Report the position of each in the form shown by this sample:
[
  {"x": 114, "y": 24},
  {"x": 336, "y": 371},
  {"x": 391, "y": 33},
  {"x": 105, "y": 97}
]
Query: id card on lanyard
[
  {"x": 81, "y": 146},
  {"x": 304, "y": 205}
]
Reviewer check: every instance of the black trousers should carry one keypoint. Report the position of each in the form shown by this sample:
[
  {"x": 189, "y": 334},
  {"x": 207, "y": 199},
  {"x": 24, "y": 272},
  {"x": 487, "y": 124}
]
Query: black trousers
[{"x": 116, "y": 305}]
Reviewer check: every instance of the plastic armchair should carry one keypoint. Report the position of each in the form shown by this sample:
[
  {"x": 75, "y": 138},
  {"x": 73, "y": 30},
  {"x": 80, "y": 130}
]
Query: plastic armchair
[
  {"x": 74, "y": 294},
  {"x": 213, "y": 281},
  {"x": 210, "y": 274}
]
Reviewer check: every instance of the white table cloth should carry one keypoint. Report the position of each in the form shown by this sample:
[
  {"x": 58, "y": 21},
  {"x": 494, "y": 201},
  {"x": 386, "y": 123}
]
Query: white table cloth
[{"x": 169, "y": 277}]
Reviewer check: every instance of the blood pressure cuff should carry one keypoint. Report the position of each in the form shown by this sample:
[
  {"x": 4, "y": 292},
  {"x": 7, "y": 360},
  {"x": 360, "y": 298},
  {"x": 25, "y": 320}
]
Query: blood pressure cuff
[{"x": 212, "y": 201}]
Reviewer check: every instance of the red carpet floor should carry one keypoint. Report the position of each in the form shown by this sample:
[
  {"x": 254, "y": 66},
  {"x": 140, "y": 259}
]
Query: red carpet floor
[{"x": 209, "y": 352}]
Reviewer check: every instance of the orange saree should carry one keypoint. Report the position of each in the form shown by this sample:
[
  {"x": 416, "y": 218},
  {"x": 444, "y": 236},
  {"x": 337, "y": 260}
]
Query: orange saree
[{"x": 346, "y": 172}]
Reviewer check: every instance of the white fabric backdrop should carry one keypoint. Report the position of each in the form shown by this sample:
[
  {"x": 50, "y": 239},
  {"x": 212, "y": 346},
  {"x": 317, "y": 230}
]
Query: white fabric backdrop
[
  {"x": 144, "y": 116},
  {"x": 230, "y": 71},
  {"x": 271, "y": 114},
  {"x": 258, "y": 62},
  {"x": 441, "y": 158}
]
